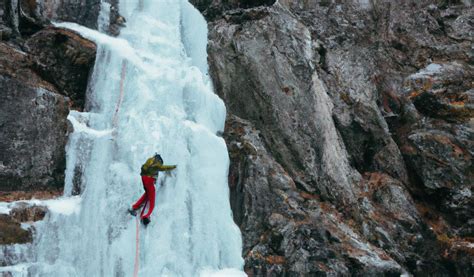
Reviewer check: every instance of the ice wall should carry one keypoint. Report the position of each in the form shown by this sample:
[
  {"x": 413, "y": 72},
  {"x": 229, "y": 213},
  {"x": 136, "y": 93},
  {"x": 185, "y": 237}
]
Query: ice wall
[{"x": 167, "y": 106}]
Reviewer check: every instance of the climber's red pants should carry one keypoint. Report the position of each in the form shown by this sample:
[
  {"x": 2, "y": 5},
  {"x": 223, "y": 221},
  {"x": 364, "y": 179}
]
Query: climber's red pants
[{"x": 148, "y": 198}]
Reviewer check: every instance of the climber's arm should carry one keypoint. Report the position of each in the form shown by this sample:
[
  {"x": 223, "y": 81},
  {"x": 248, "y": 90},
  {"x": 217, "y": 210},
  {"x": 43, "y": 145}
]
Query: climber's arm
[{"x": 166, "y": 167}]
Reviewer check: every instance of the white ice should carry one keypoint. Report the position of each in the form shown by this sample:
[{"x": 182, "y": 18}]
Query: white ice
[
  {"x": 20, "y": 270},
  {"x": 168, "y": 106},
  {"x": 62, "y": 205},
  {"x": 5, "y": 208},
  {"x": 227, "y": 272},
  {"x": 81, "y": 127},
  {"x": 429, "y": 70}
]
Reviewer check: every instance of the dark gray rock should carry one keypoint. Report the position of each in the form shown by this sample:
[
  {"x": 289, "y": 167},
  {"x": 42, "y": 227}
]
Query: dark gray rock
[
  {"x": 5, "y": 33},
  {"x": 84, "y": 12},
  {"x": 11, "y": 16},
  {"x": 115, "y": 21},
  {"x": 11, "y": 230},
  {"x": 33, "y": 137},
  {"x": 33, "y": 110},
  {"x": 288, "y": 231},
  {"x": 289, "y": 105},
  {"x": 64, "y": 59},
  {"x": 325, "y": 89},
  {"x": 440, "y": 155},
  {"x": 36, "y": 88},
  {"x": 23, "y": 18},
  {"x": 24, "y": 212},
  {"x": 17, "y": 232},
  {"x": 443, "y": 91},
  {"x": 214, "y": 9}
]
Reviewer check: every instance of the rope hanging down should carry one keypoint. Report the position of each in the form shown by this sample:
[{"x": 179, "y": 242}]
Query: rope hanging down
[
  {"x": 137, "y": 242},
  {"x": 137, "y": 249},
  {"x": 119, "y": 103},
  {"x": 114, "y": 126}
]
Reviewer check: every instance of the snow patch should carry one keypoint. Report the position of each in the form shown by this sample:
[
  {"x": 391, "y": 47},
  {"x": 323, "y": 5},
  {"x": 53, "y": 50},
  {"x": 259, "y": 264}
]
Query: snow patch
[
  {"x": 17, "y": 270},
  {"x": 25, "y": 226},
  {"x": 430, "y": 70},
  {"x": 120, "y": 46},
  {"x": 81, "y": 127},
  {"x": 227, "y": 272},
  {"x": 364, "y": 4},
  {"x": 63, "y": 205},
  {"x": 4, "y": 208}
]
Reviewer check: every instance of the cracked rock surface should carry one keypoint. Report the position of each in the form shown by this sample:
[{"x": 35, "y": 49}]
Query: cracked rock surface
[{"x": 350, "y": 133}]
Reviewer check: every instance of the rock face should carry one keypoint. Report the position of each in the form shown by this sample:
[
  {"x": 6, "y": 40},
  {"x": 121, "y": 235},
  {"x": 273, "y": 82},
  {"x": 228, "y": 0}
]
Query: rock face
[
  {"x": 23, "y": 18},
  {"x": 11, "y": 229},
  {"x": 213, "y": 9},
  {"x": 43, "y": 73},
  {"x": 33, "y": 135},
  {"x": 41, "y": 77},
  {"x": 350, "y": 127},
  {"x": 64, "y": 59},
  {"x": 84, "y": 12},
  {"x": 350, "y": 133}
]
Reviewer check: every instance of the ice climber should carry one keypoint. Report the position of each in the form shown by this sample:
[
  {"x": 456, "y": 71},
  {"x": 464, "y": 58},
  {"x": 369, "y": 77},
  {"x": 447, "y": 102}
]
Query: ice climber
[{"x": 149, "y": 175}]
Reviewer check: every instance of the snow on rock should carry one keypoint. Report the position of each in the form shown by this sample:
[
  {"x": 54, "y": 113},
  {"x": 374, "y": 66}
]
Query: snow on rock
[
  {"x": 227, "y": 272},
  {"x": 63, "y": 205}
]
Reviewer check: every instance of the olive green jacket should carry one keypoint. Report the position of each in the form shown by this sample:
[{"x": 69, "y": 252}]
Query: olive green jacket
[{"x": 151, "y": 167}]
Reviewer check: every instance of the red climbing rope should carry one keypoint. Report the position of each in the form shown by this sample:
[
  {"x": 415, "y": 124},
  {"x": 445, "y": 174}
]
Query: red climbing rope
[
  {"x": 137, "y": 241},
  {"x": 119, "y": 103},
  {"x": 137, "y": 249}
]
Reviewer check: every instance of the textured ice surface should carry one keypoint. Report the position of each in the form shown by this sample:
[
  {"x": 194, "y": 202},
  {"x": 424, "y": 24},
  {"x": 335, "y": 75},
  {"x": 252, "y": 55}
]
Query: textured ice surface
[
  {"x": 168, "y": 106},
  {"x": 19, "y": 270},
  {"x": 13, "y": 256},
  {"x": 228, "y": 272}
]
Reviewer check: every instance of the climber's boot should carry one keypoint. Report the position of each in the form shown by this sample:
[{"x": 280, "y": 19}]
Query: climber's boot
[
  {"x": 132, "y": 212},
  {"x": 145, "y": 221}
]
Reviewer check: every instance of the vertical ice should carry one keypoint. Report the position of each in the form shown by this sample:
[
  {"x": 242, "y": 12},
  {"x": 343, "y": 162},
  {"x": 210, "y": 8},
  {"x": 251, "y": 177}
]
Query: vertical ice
[{"x": 169, "y": 107}]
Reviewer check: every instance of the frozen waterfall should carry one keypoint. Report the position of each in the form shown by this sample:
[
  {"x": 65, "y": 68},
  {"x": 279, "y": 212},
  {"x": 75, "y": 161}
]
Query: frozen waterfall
[{"x": 167, "y": 106}]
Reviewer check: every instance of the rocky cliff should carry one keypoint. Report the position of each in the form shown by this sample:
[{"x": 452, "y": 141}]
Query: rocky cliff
[
  {"x": 43, "y": 74},
  {"x": 350, "y": 133},
  {"x": 349, "y": 126}
]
